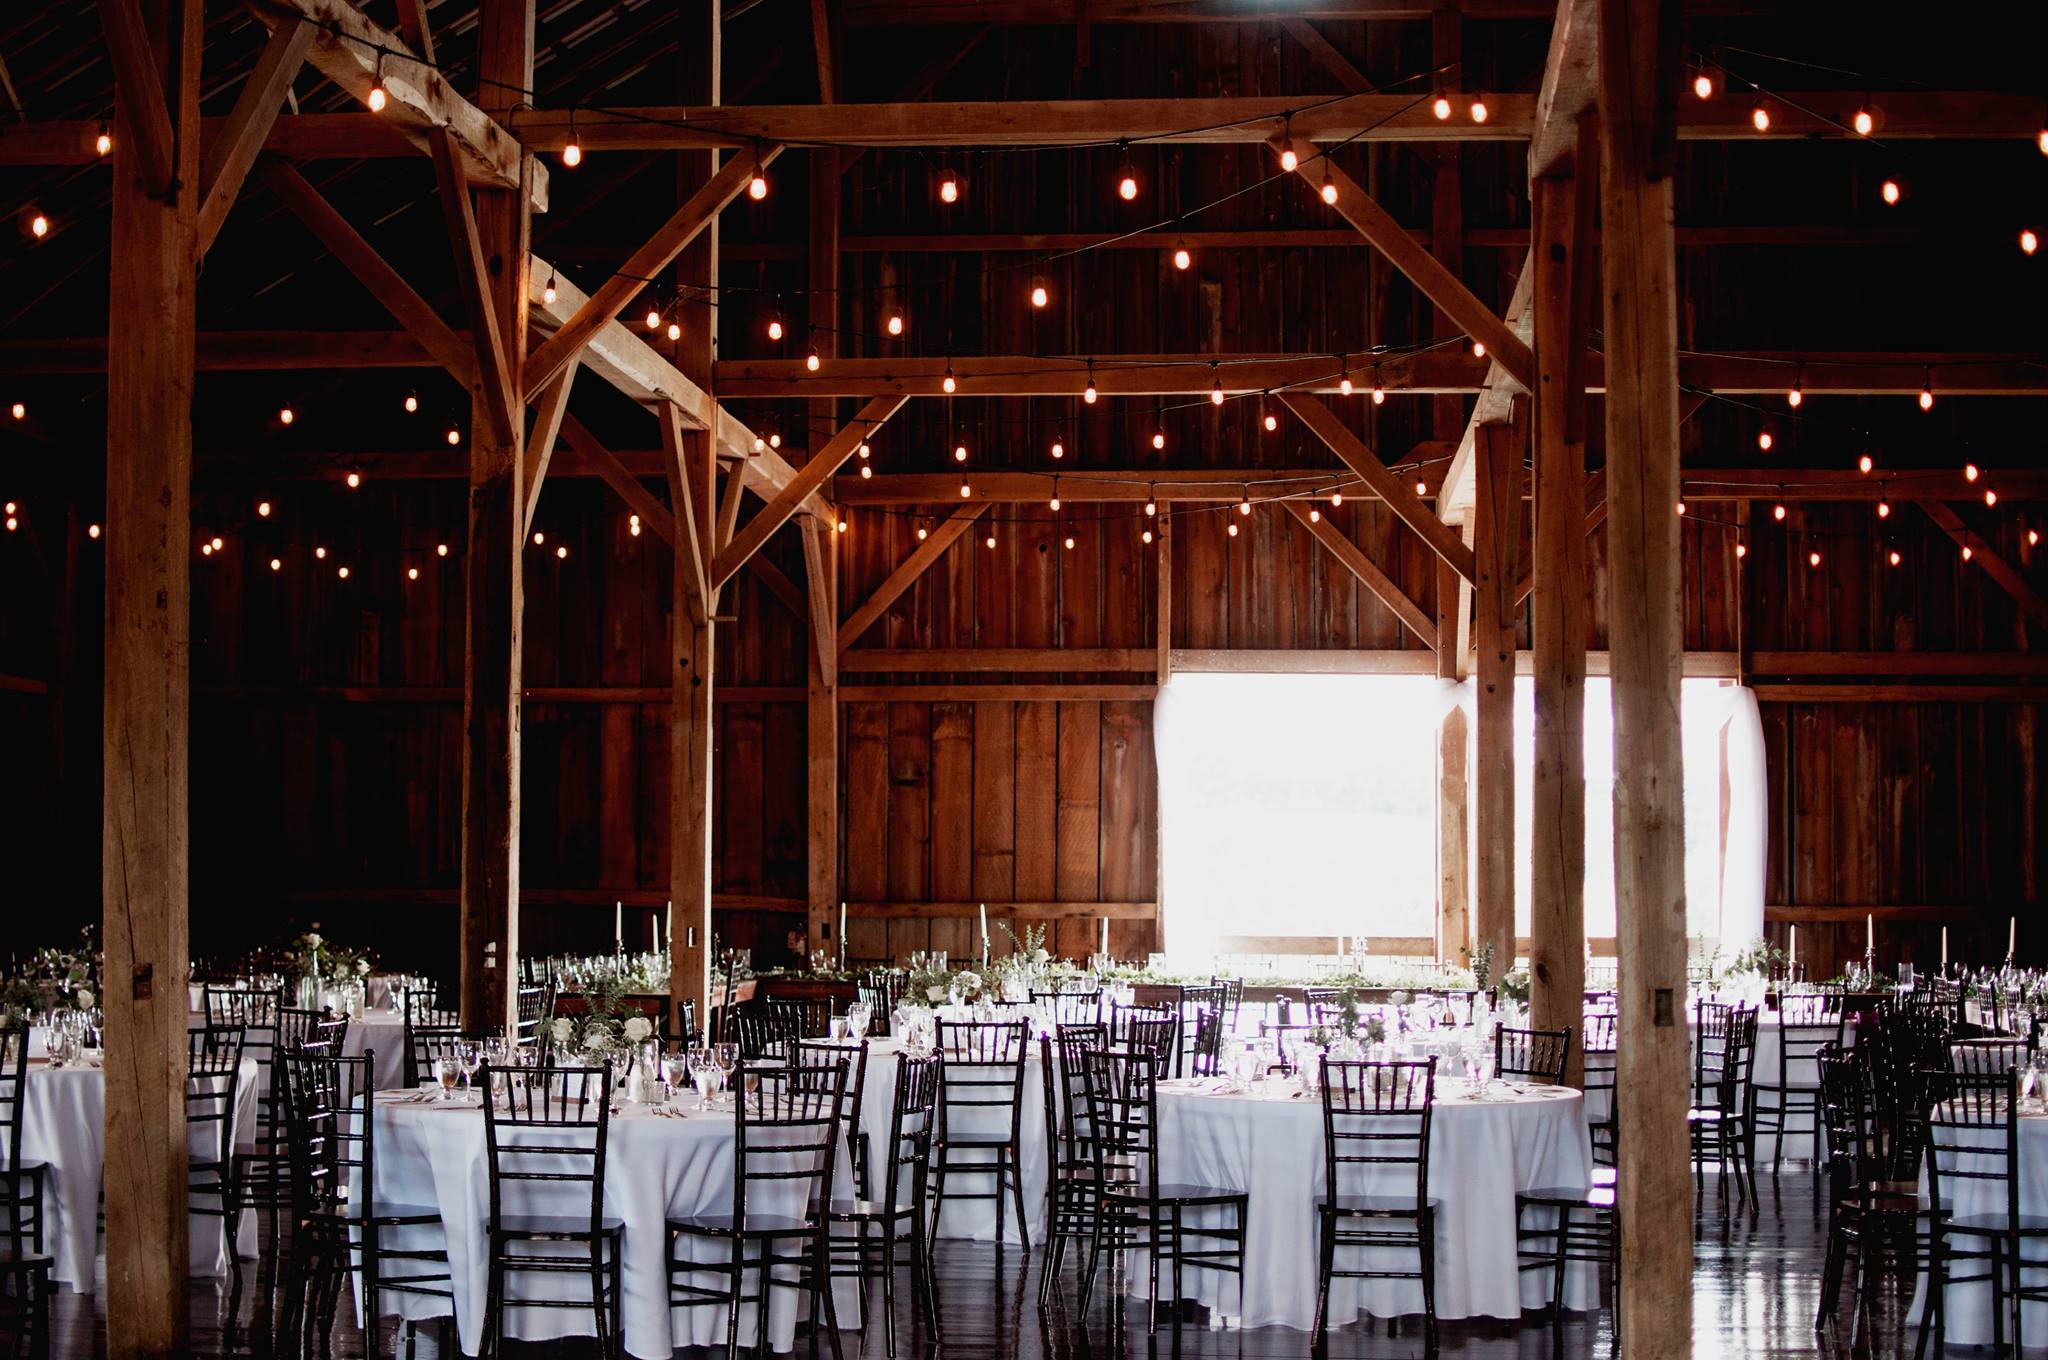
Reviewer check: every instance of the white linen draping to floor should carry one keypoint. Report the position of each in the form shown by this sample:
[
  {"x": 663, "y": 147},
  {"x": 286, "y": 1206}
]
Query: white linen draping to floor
[
  {"x": 384, "y": 1032},
  {"x": 965, "y": 1218},
  {"x": 1270, "y": 1143},
  {"x": 1968, "y": 1306},
  {"x": 63, "y": 1126}
]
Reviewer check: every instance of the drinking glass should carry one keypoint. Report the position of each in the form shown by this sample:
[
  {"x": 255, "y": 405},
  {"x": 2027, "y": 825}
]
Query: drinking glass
[
  {"x": 446, "y": 1071},
  {"x": 858, "y": 1016},
  {"x": 469, "y": 1055},
  {"x": 705, "y": 1074},
  {"x": 727, "y": 1057}
]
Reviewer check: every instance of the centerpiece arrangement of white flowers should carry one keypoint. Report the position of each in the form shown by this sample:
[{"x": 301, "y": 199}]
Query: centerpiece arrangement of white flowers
[
  {"x": 606, "y": 1027},
  {"x": 54, "y": 980}
]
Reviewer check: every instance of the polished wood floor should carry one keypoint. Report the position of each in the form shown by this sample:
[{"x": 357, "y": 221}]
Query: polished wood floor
[{"x": 1756, "y": 1287}]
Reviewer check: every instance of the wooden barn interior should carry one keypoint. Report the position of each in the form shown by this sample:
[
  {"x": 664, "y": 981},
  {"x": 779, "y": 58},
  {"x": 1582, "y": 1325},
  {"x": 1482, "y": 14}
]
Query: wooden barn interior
[{"x": 500, "y": 478}]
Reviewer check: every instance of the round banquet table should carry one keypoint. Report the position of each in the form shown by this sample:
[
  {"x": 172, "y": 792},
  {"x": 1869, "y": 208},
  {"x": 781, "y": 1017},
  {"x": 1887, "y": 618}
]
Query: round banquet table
[
  {"x": 1269, "y": 1142},
  {"x": 656, "y": 1167},
  {"x": 973, "y": 1219},
  {"x": 63, "y": 1126},
  {"x": 382, "y": 1031},
  {"x": 1968, "y": 1306}
]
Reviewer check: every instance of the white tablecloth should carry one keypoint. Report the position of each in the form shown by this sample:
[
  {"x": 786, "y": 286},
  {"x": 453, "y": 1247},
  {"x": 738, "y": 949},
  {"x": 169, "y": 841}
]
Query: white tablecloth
[
  {"x": 63, "y": 1126},
  {"x": 1968, "y": 1306},
  {"x": 1480, "y": 1154},
  {"x": 655, "y": 1168},
  {"x": 965, "y": 1218},
  {"x": 384, "y": 1032}
]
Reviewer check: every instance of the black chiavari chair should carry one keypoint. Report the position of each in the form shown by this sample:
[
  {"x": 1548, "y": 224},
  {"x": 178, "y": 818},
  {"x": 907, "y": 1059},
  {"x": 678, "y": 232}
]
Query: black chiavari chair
[
  {"x": 778, "y": 1228},
  {"x": 22, "y": 1189},
  {"x": 1603, "y": 1122},
  {"x": 981, "y": 1113},
  {"x": 1376, "y": 1120},
  {"x": 262, "y": 1172},
  {"x": 428, "y": 1006},
  {"x": 1069, "y": 1008},
  {"x": 1194, "y": 1000},
  {"x": 339, "y": 1227},
  {"x": 426, "y": 1046},
  {"x": 213, "y": 1074},
  {"x": 1807, "y": 1023},
  {"x": 1233, "y": 1000},
  {"x": 1156, "y": 1029},
  {"x": 545, "y": 1134},
  {"x": 1070, "y": 1149},
  {"x": 1719, "y": 1119},
  {"x": 1135, "y": 1210},
  {"x": 897, "y": 1219},
  {"x": 820, "y": 1052},
  {"x": 762, "y": 1031},
  {"x": 1868, "y": 1218},
  {"x": 532, "y": 1011},
  {"x": 1988, "y": 1056},
  {"x": 1531, "y": 1054},
  {"x": 879, "y": 989},
  {"x": 1973, "y": 1197}
]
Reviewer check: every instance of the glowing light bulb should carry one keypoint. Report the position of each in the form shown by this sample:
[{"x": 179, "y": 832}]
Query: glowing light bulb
[
  {"x": 1344, "y": 385},
  {"x": 1181, "y": 258},
  {"x": 1893, "y": 557},
  {"x": 1479, "y": 349},
  {"x": 1233, "y": 531},
  {"x": 39, "y": 226},
  {"x": 1088, "y": 393},
  {"x": 2029, "y": 242},
  {"x": 104, "y": 142},
  {"x": 1039, "y": 297},
  {"x": 1315, "y": 516},
  {"x": 1794, "y": 398},
  {"x": 949, "y": 188},
  {"x": 1969, "y": 472},
  {"x": 1967, "y": 554},
  {"x": 354, "y": 480},
  {"x": 990, "y": 541},
  {"x": 1288, "y": 160},
  {"x": 376, "y": 99},
  {"x": 1681, "y": 509},
  {"x": 1147, "y": 535},
  {"x": 1159, "y": 439},
  {"x": 1336, "y": 499},
  {"x": 1741, "y": 550},
  {"x": 1778, "y": 511},
  {"x": 1059, "y": 449},
  {"x": 2041, "y": 141},
  {"x": 1151, "y": 508},
  {"x": 1244, "y": 507},
  {"x": 205, "y": 549},
  {"x": 811, "y": 361},
  {"x": 675, "y": 332},
  {"x": 1763, "y": 440},
  {"x": 1421, "y": 487},
  {"x": 441, "y": 549},
  {"x": 11, "y": 507},
  {"x": 922, "y": 532},
  {"x": 863, "y": 450},
  {"x": 947, "y": 383},
  {"x": 775, "y": 329},
  {"x": 92, "y": 531},
  {"x": 285, "y": 415},
  {"x": 1865, "y": 121},
  {"x": 1127, "y": 187},
  {"x": 276, "y": 565},
  {"x": 1760, "y": 118},
  {"x": 1990, "y": 496},
  {"x": 634, "y": 527},
  {"x": 1441, "y": 108},
  {"x": 959, "y": 453},
  {"x": 1379, "y": 394},
  {"x": 412, "y": 573},
  {"x": 775, "y": 441},
  {"x": 342, "y": 573},
  {"x": 572, "y": 154},
  {"x": 1884, "y": 509},
  {"x": 757, "y": 187},
  {"x": 965, "y": 491},
  {"x": 1890, "y": 191},
  {"x": 320, "y": 554},
  {"x": 1478, "y": 110},
  {"x": 19, "y": 411},
  {"x": 539, "y": 538},
  {"x": 1926, "y": 399},
  {"x": 895, "y": 324},
  {"x": 1055, "y": 503},
  {"x": 1703, "y": 86},
  {"x": 1813, "y": 559},
  {"x": 842, "y": 526},
  {"x": 412, "y": 402},
  {"x": 1216, "y": 393},
  {"x": 1864, "y": 464},
  {"x": 1329, "y": 189},
  {"x": 1070, "y": 542},
  {"x": 547, "y": 291},
  {"x": 454, "y": 436},
  {"x": 866, "y": 471}
]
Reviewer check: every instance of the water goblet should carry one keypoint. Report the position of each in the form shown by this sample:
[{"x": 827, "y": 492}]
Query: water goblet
[
  {"x": 447, "y": 1070},
  {"x": 727, "y": 1057},
  {"x": 705, "y": 1074},
  {"x": 469, "y": 1055},
  {"x": 858, "y": 1016}
]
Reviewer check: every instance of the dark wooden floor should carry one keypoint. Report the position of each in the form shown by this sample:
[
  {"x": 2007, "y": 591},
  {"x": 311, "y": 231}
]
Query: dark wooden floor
[{"x": 1755, "y": 1292}]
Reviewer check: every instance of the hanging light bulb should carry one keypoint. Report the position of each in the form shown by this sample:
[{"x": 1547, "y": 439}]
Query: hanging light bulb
[
  {"x": 1813, "y": 559},
  {"x": 1441, "y": 107},
  {"x": 105, "y": 141},
  {"x": 1151, "y": 502},
  {"x": 863, "y": 451},
  {"x": 1127, "y": 182},
  {"x": 342, "y": 573},
  {"x": 1884, "y": 509},
  {"x": 354, "y": 480},
  {"x": 1159, "y": 439},
  {"x": 774, "y": 328},
  {"x": 1336, "y": 499},
  {"x": 1865, "y": 463},
  {"x": 633, "y": 525},
  {"x": 2029, "y": 242},
  {"x": 412, "y": 573},
  {"x": 1703, "y": 84},
  {"x": 263, "y": 509},
  {"x": 205, "y": 549},
  {"x": 1763, "y": 440},
  {"x": 1070, "y": 542},
  {"x": 1181, "y": 258},
  {"x": 572, "y": 153},
  {"x": 1379, "y": 393},
  {"x": 539, "y": 539},
  {"x": 2041, "y": 140},
  {"x": 39, "y": 226},
  {"x": 959, "y": 453},
  {"x": 319, "y": 554},
  {"x": 1088, "y": 393},
  {"x": 653, "y": 319},
  {"x": 811, "y": 360},
  {"x": 1216, "y": 393},
  {"x": 949, "y": 187},
  {"x": 867, "y": 470},
  {"x": 675, "y": 330},
  {"x": 376, "y": 96},
  {"x": 1315, "y": 516},
  {"x": 1990, "y": 496},
  {"x": 441, "y": 549},
  {"x": 1967, "y": 554},
  {"x": 842, "y": 526},
  {"x": 1421, "y": 487},
  {"x": 1778, "y": 511},
  {"x": 757, "y": 187},
  {"x": 922, "y": 532},
  {"x": 1926, "y": 398},
  {"x": 1969, "y": 472},
  {"x": 1479, "y": 349},
  {"x": 1289, "y": 161},
  {"x": 1681, "y": 509},
  {"x": 1039, "y": 297},
  {"x": 775, "y": 441},
  {"x": 1244, "y": 507},
  {"x": 285, "y": 415},
  {"x": 454, "y": 436},
  {"x": 1741, "y": 550},
  {"x": 1233, "y": 531},
  {"x": 895, "y": 323},
  {"x": 949, "y": 384},
  {"x": 547, "y": 291},
  {"x": 990, "y": 541},
  {"x": 1329, "y": 189},
  {"x": 276, "y": 565},
  {"x": 965, "y": 491},
  {"x": 1893, "y": 557},
  {"x": 1478, "y": 110},
  {"x": 1760, "y": 118},
  {"x": 412, "y": 402},
  {"x": 19, "y": 411},
  {"x": 1795, "y": 397},
  {"x": 1343, "y": 377},
  {"x": 1891, "y": 191},
  {"x": 1059, "y": 447},
  {"x": 1147, "y": 536},
  {"x": 1865, "y": 121}
]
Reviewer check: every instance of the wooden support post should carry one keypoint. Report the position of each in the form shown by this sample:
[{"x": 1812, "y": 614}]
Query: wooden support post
[
  {"x": 1557, "y": 845},
  {"x": 150, "y": 356},
  {"x": 1453, "y": 839},
  {"x": 1638, "y": 95},
  {"x": 821, "y": 765},
  {"x": 496, "y": 598},
  {"x": 1496, "y": 530},
  {"x": 1163, "y": 602},
  {"x": 691, "y": 470}
]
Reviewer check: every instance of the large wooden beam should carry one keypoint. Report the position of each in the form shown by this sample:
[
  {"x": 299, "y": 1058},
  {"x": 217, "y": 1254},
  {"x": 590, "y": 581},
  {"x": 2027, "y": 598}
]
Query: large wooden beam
[
  {"x": 929, "y": 551},
  {"x": 1985, "y": 555},
  {"x": 229, "y": 155},
  {"x": 1453, "y": 838},
  {"x": 1241, "y": 121},
  {"x": 661, "y": 249},
  {"x": 153, "y": 284},
  {"x": 442, "y": 342},
  {"x": 1639, "y": 70},
  {"x": 417, "y": 99},
  {"x": 1367, "y": 571},
  {"x": 139, "y": 95},
  {"x": 1423, "y": 269},
  {"x": 1496, "y": 535},
  {"x": 692, "y": 725},
  {"x": 539, "y": 454},
  {"x": 809, "y": 478},
  {"x": 821, "y": 752},
  {"x": 1557, "y": 904},
  {"x": 492, "y": 239},
  {"x": 1348, "y": 447}
]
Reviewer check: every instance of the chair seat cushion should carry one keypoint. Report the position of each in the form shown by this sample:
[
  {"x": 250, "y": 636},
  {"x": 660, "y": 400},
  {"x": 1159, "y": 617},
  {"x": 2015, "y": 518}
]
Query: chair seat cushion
[
  {"x": 1998, "y": 1223},
  {"x": 757, "y": 1225},
  {"x": 1379, "y": 1206},
  {"x": 551, "y": 1225}
]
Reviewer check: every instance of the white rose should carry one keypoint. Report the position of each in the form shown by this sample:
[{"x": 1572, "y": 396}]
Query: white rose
[
  {"x": 594, "y": 1038},
  {"x": 935, "y": 992},
  {"x": 638, "y": 1027},
  {"x": 313, "y": 942},
  {"x": 85, "y": 998},
  {"x": 1040, "y": 956},
  {"x": 969, "y": 982},
  {"x": 565, "y": 1029}
]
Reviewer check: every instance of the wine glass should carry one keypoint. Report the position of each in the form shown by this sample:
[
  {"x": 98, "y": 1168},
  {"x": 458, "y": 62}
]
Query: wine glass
[
  {"x": 469, "y": 1055},
  {"x": 858, "y": 1017},
  {"x": 705, "y": 1074},
  {"x": 447, "y": 1069},
  {"x": 726, "y": 1057}
]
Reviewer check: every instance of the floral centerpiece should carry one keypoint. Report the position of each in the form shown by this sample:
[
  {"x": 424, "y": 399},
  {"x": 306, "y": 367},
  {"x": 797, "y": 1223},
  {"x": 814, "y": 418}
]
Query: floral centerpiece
[
  {"x": 607, "y": 1025},
  {"x": 55, "y": 979}
]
